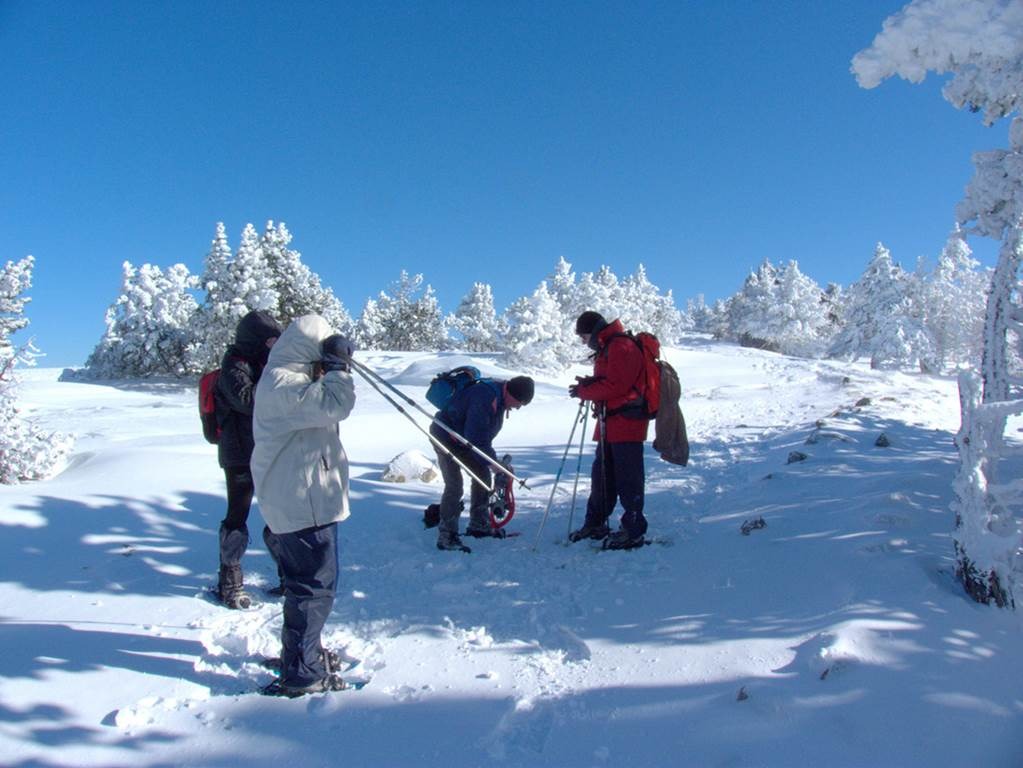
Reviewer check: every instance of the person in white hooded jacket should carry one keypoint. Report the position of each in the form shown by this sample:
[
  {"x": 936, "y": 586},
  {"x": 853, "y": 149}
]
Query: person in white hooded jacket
[{"x": 300, "y": 472}]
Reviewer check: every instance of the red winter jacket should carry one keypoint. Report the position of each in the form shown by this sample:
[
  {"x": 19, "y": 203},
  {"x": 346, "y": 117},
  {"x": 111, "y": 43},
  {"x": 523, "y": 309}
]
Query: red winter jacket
[{"x": 616, "y": 378}]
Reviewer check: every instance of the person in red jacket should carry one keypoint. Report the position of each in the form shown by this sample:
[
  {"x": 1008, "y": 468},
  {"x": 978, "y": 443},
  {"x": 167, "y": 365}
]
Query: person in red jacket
[{"x": 617, "y": 473}]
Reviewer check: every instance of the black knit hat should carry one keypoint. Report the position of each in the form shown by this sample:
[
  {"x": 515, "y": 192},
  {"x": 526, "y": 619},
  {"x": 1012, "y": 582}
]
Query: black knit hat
[
  {"x": 590, "y": 322},
  {"x": 521, "y": 388}
]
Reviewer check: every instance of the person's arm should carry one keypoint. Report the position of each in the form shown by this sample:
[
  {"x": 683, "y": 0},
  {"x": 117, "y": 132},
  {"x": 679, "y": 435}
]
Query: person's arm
[
  {"x": 624, "y": 366},
  {"x": 236, "y": 385}
]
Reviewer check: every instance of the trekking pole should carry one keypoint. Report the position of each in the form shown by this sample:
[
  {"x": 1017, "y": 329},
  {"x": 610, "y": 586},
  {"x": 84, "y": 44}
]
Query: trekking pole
[
  {"x": 369, "y": 372},
  {"x": 578, "y": 469},
  {"x": 580, "y": 414},
  {"x": 488, "y": 486}
]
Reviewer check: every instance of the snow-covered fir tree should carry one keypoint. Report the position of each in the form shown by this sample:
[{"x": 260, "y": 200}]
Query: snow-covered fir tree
[
  {"x": 215, "y": 320},
  {"x": 952, "y": 300},
  {"x": 979, "y": 43},
  {"x": 699, "y": 315},
  {"x": 266, "y": 274},
  {"x": 533, "y": 342},
  {"x": 749, "y": 308},
  {"x": 642, "y": 307},
  {"x": 299, "y": 289},
  {"x": 475, "y": 320},
  {"x": 26, "y": 451},
  {"x": 409, "y": 318},
  {"x": 881, "y": 320},
  {"x": 797, "y": 320},
  {"x": 148, "y": 326}
]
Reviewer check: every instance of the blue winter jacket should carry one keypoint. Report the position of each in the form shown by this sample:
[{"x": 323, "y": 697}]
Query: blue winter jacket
[{"x": 476, "y": 413}]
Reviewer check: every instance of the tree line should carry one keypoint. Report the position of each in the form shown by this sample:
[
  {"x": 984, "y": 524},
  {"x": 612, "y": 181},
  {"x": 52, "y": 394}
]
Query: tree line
[{"x": 930, "y": 319}]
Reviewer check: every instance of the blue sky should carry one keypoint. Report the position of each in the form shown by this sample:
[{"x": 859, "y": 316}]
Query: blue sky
[{"x": 469, "y": 141}]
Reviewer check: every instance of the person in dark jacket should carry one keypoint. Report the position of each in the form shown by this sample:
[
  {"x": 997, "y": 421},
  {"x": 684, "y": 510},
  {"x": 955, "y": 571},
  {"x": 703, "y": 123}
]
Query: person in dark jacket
[
  {"x": 240, "y": 370},
  {"x": 617, "y": 473},
  {"x": 477, "y": 414}
]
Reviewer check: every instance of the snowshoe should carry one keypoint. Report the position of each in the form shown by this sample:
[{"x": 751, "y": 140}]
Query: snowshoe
[
  {"x": 622, "y": 539},
  {"x": 328, "y": 684},
  {"x": 588, "y": 531},
  {"x": 452, "y": 543},
  {"x": 484, "y": 533}
]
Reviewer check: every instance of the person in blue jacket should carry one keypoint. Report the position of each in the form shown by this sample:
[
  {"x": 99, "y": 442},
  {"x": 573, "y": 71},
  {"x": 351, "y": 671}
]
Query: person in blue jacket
[{"x": 477, "y": 414}]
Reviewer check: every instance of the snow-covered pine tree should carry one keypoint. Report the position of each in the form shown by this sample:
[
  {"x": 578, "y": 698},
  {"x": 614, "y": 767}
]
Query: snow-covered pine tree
[
  {"x": 403, "y": 320},
  {"x": 953, "y": 297},
  {"x": 475, "y": 320},
  {"x": 148, "y": 326},
  {"x": 880, "y": 318},
  {"x": 597, "y": 292},
  {"x": 644, "y": 308},
  {"x": 533, "y": 342},
  {"x": 749, "y": 308},
  {"x": 299, "y": 289},
  {"x": 700, "y": 316},
  {"x": 369, "y": 328},
  {"x": 253, "y": 282},
  {"x": 26, "y": 452},
  {"x": 979, "y": 43},
  {"x": 214, "y": 322},
  {"x": 797, "y": 322}
]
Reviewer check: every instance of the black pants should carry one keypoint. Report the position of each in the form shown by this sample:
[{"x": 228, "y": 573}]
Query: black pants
[
  {"x": 618, "y": 475},
  {"x": 234, "y": 529},
  {"x": 309, "y": 561},
  {"x": 451, "y": 499}
]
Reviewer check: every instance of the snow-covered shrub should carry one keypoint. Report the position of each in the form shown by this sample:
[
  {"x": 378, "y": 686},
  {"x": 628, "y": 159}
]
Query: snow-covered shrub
[{"x": 26, "y": 452}]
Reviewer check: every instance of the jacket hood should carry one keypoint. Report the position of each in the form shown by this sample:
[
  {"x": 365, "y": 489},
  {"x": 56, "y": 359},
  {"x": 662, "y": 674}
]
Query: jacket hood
[
  {"x": 252, "y": 333},
  {"x": 299, "y": 345}
]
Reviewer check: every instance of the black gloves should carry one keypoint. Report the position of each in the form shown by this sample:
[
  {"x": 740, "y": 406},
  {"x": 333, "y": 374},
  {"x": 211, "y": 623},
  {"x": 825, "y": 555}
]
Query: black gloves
[
  {"x": 336, "y": 353},
  {"x": 580, "y": 381}
]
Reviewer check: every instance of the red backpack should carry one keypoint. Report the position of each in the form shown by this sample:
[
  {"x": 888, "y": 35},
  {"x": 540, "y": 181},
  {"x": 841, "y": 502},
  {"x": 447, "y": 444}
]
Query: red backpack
[
  {"x": 650, "y": 380},
  {"x": 648, "y": 383},
  {"x": 208, "y": 406}
]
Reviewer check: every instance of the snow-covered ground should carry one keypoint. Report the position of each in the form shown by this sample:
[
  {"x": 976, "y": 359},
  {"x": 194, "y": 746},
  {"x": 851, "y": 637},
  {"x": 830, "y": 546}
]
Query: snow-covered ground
[{"x": 834, "y": 636}]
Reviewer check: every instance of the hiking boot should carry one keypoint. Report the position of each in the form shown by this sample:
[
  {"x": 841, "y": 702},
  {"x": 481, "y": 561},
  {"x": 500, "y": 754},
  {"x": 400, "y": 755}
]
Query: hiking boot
[
  {"x": 327, "y": 684},
  {"x": 622, "y": 539},
  {"x": 588, "y": 531},
  {"x": 230, "y": 589},
  {"x": 483, "y": 533},
  {"x": 451, "y": 542}
]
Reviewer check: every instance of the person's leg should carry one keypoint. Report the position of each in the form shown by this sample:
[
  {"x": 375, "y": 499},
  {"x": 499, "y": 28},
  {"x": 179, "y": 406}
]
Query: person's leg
[
  {"x": 451, "y": 499},
  {"x": 479, "y": 500},
  {"x": 630, "y": 480},
  {"x": 600, "y": 501},
  {"x": 234, "y": 534},
  {"x": 309, "y": 561},
  {"x": 275, "y": 554}
]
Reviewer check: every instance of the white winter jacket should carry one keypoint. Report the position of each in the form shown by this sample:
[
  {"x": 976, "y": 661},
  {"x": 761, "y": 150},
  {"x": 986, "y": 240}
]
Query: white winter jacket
[{"x": 299, "y": 466}]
